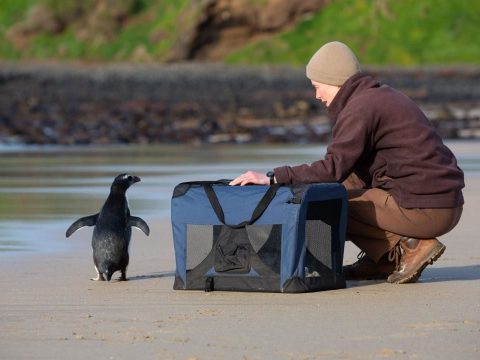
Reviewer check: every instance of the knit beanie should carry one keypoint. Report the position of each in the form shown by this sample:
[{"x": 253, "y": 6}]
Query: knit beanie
[{"x": 333, "y": 64}]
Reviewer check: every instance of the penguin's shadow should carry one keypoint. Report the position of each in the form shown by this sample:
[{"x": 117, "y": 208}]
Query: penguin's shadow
[{"x": 154, "y": 275}]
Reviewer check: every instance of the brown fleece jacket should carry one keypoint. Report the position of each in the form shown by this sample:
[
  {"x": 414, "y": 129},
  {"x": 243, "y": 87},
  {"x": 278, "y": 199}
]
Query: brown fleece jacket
[{"x": 383, "y": 136}]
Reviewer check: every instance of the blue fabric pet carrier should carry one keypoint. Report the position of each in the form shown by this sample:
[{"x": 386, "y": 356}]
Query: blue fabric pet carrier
[{"x": 259, "y": 238}]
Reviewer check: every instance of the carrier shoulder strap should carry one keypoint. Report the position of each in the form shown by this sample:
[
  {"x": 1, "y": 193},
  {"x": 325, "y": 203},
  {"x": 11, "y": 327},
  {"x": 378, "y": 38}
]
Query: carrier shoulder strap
[{"x": 259, "y": 209}]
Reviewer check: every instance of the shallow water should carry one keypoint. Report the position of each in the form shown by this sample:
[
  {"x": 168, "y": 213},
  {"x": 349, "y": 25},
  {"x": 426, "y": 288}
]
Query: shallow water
[{"x": 44, "y": 189}]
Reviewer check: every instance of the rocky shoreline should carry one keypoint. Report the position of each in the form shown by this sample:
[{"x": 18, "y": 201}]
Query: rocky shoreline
[{"x": 203, "y": 103}]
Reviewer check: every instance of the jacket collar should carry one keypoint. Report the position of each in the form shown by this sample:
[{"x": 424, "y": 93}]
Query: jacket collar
[{"x": 353, "y": 85}]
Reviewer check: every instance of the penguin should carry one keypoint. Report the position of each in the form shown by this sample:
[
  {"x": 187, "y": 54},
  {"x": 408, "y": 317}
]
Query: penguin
[{"x": 112, "y": 232}]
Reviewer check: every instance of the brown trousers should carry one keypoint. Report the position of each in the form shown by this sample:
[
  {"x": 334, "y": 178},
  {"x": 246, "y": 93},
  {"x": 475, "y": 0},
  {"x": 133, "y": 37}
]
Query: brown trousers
[{"x": 376, "y": 222}]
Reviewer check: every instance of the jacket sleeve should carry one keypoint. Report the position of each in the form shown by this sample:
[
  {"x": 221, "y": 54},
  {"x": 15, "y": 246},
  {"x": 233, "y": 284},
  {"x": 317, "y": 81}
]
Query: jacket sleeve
[{"x": 351, "y": 138}]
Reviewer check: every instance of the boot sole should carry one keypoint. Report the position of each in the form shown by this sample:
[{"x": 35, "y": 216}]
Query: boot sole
[{"x": 412, "y": 278}]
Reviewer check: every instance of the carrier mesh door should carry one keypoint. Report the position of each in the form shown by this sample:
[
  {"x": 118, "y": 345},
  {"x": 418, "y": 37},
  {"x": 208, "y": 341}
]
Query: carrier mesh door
[
  {"x": 322, "y": 237},
  {"x": 251, "y": 253}
]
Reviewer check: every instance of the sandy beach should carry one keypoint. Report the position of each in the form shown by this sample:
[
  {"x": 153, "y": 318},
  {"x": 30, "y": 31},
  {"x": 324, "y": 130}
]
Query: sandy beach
[{"x": 51, "y": 310}]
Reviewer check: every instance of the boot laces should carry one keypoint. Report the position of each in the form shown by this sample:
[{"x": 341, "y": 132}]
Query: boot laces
[
  {"x": 394, "y": 255},
  {"x": 361, "y": 255}
]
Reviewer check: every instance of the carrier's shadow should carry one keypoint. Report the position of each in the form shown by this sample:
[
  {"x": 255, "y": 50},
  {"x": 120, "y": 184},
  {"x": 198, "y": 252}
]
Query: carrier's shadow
[{"x": 154, "y": 275}]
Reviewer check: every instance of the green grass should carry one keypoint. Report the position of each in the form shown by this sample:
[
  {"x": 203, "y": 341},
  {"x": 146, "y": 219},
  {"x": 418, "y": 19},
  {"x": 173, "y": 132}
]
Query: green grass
[
  {"x": 406, "y": 32},
  {"x": 11, "y": 11},
  {"x": 381, "y": 32},
  {"x": 152, "y": 25},
  {"x": 154, "y": 29}
]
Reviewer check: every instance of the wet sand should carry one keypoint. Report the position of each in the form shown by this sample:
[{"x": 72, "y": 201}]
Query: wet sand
[{"x": 51, "y": 310}]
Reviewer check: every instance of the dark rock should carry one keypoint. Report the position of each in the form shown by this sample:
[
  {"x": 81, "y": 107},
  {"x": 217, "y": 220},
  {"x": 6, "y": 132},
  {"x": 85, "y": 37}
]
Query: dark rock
[{"x": 67, "y": 104}]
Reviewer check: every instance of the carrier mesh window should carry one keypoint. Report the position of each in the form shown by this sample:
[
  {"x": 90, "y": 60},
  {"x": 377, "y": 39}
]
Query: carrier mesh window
[
  {"x": 266, "y": 240},
  {"x": 319, "y": 241},
  {"x": 199, "y": 244},
  {"x": 321, "y": 235},
  {"x": 262, "y": 240}
]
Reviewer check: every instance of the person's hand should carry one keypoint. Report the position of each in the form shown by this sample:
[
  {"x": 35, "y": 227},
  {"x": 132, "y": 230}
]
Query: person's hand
[{"x": 251, "y": 177}]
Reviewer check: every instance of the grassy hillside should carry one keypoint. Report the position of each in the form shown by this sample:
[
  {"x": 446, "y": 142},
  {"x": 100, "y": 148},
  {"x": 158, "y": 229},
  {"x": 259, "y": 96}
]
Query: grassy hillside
[
  {"x": 384, "y": 32},
  {"x": 128, "y": 30},
  {"x": 406, "y": 32}
]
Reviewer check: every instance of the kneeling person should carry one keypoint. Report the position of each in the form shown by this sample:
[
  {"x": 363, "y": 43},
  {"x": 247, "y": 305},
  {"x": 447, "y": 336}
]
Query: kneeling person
[{"x": 404, "y": 185}]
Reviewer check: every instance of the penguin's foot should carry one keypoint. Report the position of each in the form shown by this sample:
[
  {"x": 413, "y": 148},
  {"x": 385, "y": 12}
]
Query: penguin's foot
[
  {"x": 123, "y": 277},
  {"x": 99, "y": 276}
]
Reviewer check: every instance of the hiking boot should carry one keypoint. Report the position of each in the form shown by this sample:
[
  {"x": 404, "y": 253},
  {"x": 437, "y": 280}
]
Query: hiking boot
[
  {"x": 367, "y": 269},
  {"x": 416, "y": 255}
]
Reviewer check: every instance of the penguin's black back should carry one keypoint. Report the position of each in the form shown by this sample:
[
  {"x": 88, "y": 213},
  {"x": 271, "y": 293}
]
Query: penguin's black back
[{"x": 111, "y": 236}]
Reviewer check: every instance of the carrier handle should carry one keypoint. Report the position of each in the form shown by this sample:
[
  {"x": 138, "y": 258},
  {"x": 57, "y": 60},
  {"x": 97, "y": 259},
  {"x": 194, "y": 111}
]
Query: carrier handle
[
  {"x": 259, "y": 209},
  {"x": 207, "y": 182},
  {"x": 182, "y": 188}
]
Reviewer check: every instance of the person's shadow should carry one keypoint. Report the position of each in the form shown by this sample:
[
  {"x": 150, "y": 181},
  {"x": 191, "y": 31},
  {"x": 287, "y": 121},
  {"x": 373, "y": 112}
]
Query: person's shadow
[
  {"x": 431, "y": 275},
  {"x": 451, "y": 273}
]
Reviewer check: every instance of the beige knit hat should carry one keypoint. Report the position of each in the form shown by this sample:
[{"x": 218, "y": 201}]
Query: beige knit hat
[{"x": 333, "y": 64}]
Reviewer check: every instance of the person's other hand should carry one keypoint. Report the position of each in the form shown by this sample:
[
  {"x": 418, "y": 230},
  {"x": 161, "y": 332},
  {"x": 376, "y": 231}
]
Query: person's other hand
[{"x": 251, "y": 177}]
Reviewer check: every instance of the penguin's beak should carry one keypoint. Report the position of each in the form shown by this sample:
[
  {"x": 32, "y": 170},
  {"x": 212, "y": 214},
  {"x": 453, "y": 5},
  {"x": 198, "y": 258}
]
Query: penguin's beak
[{"x": 135, "y": 179}]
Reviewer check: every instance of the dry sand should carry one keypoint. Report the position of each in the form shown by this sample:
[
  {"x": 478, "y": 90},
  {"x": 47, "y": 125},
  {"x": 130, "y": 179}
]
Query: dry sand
[{"x": 51, "y": 310}]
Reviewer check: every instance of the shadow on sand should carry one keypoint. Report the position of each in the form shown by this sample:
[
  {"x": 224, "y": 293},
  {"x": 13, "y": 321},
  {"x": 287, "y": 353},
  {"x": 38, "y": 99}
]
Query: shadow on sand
[
  {"x": 429, "y": 275},
  {"x": 451, "y": 273},
  {"x": 154, "y": 275}
]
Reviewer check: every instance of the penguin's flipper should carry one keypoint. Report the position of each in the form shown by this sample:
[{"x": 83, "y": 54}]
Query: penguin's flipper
[
  {"x": 139, "y": 223},
  {"x": 84, "y": 221}
]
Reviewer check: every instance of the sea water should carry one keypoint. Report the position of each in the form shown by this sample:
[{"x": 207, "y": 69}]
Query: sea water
[{"x": 44, "y": 189}]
